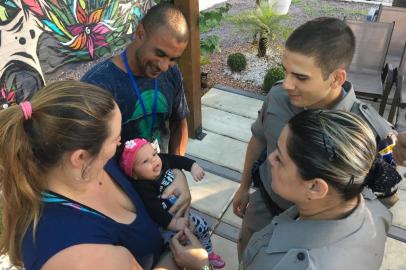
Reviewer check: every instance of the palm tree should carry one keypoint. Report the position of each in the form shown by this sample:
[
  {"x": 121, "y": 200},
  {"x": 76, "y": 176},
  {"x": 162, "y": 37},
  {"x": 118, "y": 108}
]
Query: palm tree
[{"x": 264, "y": 21}]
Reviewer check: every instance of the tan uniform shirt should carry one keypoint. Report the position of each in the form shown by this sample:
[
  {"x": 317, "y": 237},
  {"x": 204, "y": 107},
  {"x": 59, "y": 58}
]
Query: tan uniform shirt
[
  {"x": 355, "y": 242},
  {"x": 274, "y": 115}
]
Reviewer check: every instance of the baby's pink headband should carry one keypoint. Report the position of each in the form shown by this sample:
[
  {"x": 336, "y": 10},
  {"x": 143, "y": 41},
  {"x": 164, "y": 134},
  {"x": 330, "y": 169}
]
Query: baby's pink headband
[{"x": 131, "y": 148}]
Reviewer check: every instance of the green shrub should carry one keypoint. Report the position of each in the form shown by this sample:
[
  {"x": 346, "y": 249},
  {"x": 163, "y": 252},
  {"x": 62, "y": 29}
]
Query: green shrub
[
  {"x": 237, "y": 62},
  {"x": 272, "y": 76},
  {"x": 208, "y": 20},
  {"x": 211, "y": 19},
  {"x": 209, "y": 45}
]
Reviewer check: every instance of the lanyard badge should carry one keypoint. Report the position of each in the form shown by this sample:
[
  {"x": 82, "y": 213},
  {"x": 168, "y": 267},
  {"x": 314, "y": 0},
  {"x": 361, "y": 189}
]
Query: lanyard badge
[{"x": 138, "y": 93}]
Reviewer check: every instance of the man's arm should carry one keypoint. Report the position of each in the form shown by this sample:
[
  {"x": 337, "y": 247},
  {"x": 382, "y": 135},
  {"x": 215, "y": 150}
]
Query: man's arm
[
  {"x": 152, "y": 203},
  {"x": 180, "y": 189},
  {"x": 179, "y": 136},
  {"x": 240, "y": 201}
]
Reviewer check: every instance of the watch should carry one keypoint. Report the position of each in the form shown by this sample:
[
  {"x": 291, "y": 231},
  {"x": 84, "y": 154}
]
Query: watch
[{"x": 207, "y": 267}]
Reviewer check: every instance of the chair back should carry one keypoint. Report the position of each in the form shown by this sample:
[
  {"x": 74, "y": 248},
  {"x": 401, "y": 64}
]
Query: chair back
[
  {"x": 401, "y": 78},
  {"x": 372, "y": 43},
  {"x": 398, "y": 15}
]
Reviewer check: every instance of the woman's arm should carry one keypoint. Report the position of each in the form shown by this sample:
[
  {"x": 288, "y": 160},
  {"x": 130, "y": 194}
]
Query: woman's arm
[
  {"x": 180, "y": 189},
  {"x": 166, "y": 262},
  {"x": 92, "y": 256}
]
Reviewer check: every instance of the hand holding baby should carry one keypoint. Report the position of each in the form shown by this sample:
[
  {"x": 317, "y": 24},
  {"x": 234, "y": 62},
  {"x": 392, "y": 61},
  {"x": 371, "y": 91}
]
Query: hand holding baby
[
  {"x": 178, "y": 224},
  {"x": 197, "y": 172}
]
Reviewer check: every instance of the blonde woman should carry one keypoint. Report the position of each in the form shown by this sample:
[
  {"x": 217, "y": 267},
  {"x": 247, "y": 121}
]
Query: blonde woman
[
  {"x": 66, "y": 204},
  {"x": 321, "y": 164}
]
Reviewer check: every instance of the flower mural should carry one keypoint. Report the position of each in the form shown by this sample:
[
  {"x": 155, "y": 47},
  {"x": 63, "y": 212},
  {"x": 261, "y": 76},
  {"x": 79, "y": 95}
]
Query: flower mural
[
  {"x": 40, "y": 36},
  {"x": 7, "y": 97},
  {"x": 89, "y": 32},
  {"x": 8, "y": 10},
  {"x": 88, "y": 29}
]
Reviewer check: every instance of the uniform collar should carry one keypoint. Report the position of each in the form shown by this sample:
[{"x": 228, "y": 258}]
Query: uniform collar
[
  {"x": 346, "y": 103},
  {"x": 289, "y": 233}
]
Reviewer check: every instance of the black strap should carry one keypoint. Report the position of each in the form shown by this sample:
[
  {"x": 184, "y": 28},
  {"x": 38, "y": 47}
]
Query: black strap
[
  {"x": 378, "y": 124},
  {"x": 273, "y": 208}
]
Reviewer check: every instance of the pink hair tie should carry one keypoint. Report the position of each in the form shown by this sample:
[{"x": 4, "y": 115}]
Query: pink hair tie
[
  {"x": 131, "y": 148},
  {"x": 26, "y": 107}
]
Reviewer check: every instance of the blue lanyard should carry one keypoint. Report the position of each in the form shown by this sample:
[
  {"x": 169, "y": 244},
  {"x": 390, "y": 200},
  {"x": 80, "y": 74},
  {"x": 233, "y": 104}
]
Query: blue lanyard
[{"x": 137, "y": 91}]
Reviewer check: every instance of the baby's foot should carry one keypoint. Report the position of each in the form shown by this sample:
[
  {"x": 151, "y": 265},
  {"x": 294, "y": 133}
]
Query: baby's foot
[{"x": 216, "y": 261}]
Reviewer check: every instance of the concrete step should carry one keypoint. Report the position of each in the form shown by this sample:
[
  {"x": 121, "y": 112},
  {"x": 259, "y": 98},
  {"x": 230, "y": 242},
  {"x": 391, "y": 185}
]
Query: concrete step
[
  {"x": 226, "y": 124},
  {"x": 232, "y": 103},
  {"x": 212, "y": 195},
  {"x": 220, "y": 150},
  {"x": 398, "y": 210},
  {"x": 394, "y": 258}
]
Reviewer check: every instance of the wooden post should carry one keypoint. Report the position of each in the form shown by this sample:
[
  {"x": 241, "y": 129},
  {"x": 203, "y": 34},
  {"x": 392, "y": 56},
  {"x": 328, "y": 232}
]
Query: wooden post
[{"x": 190, "y": 66}]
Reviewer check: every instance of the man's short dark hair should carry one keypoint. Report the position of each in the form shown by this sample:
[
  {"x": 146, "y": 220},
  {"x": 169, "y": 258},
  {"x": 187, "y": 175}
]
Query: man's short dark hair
[
  {"x": 329, "y": 40},
  {"x": 166, "y": 15}
]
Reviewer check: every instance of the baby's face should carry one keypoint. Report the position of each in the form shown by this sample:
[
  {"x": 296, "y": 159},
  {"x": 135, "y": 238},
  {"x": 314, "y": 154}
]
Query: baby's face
[{"x": 147, "y": 163}]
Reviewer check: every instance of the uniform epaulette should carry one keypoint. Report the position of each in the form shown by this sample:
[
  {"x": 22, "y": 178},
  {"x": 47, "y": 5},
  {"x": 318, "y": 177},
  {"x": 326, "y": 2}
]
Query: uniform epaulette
[{"x": 379, "y": 125}]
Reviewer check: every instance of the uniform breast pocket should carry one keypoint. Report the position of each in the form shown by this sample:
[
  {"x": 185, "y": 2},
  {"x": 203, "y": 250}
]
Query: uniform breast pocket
[
  {"x": 295, "y": 259},
  {"x": 274, "y": 121}
]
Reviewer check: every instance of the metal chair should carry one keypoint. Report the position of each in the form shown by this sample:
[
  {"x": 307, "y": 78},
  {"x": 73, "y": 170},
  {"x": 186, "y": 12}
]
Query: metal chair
[
  {"x": 365, "y": 72},
  {"x": 399, "y": 100},
  {"x": 398, "y": 15}
]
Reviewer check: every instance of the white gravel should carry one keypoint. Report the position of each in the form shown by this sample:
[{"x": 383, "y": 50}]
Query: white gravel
[{"x": 300, "y": 11}]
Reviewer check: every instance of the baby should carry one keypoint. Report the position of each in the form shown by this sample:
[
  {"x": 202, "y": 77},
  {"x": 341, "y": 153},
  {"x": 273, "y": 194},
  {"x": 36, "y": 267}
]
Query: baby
[{"x": 152, "y": 173}]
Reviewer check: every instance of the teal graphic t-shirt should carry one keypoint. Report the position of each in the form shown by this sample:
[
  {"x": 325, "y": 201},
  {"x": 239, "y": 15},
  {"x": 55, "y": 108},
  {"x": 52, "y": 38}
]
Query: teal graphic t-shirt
[{"x": 171, "y": 101}]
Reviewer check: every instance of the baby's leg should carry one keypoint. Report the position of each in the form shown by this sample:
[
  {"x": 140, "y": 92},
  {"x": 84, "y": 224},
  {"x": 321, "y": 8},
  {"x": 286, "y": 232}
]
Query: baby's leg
[{"x": 202, "y": 232}]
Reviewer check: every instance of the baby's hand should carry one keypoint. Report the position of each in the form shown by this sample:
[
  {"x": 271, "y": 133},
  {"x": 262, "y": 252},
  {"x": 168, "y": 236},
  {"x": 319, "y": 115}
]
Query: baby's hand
[
  {"x": 197, "y": 172},
  {"x": 180, "y": 224}
]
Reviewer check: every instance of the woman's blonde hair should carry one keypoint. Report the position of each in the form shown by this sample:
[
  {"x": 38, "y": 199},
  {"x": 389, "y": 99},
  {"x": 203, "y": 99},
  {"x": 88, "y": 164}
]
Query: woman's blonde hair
[
  {"x": 336, "y": 146},
  {"x": 66, "y": 116}
]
